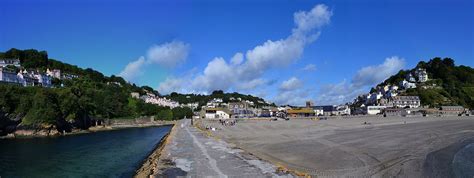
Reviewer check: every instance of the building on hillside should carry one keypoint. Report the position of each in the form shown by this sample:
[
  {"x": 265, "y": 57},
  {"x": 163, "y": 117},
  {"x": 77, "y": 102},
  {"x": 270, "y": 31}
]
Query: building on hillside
[
  {"x": 407, "y": 85},
  {"x": 241, "y": 109},
  {"x": 374, "y": 110},
  {"x": 214, "y": 103},
  {"x": 69, "y": 76},
  {"x": 421, "y": 74},
  {"x": 7, "y": 62},
  {"x": 26, "y": 80},
  {"x": 8, "y": 76},
  {"x": 410, "y": 78},
  {"x": 391, "y": 93},
  {"x": 451, "y": 110},
  {"x": 217, "y": 113},
  {"x": 302, "y": 112},
  {"x": 373, "y": 98},
  {"x": 192, "y": 106},
  {"x": 55, "y": 73},
  {"x": 135, "y": 95},
  {"x": 393, "y": 88},
  {"x": 404, "y": 102},
  {"x": 43, "y": 79},
  {"x": 152, "y": 99}
]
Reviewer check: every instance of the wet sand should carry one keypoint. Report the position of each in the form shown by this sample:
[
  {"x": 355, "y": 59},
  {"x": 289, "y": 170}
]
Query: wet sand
[{"x": 393, "y": 146}]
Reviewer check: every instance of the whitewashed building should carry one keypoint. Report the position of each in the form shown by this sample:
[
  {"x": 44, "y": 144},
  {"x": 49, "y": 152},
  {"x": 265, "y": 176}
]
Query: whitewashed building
[
  {"x": 217, "y": 113},
  {"x": 26, "y": 80},
  {"x": 407, "y": 85},
  {"x": 422, "y": 75},
  {"x": 8, "y": 76},
  {"x": 405, "y": 101},
  {"x": 43, "y": 79},
  {"x": 55, "y": 73},
  {"x": 7, "y": 62},
  {"x": 373, "y": 110}
]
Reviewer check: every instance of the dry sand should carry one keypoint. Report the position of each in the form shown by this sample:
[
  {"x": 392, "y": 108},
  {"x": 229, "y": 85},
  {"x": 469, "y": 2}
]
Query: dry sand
[{"x": 340, "y": 147}]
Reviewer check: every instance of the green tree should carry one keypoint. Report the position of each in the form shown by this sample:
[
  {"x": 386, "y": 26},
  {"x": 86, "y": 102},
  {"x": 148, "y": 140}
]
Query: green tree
[{"x": 164, "y": 114}]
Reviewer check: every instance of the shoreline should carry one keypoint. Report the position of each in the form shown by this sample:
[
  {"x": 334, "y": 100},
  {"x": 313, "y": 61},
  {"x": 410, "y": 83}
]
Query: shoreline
[
  {"x": 43, "y": 133},
  {"x": 439, "y": 163},
  {"x": 149, "y": 165}
]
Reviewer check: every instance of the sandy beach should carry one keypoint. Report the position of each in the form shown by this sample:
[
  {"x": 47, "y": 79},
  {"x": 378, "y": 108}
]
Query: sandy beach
[{"x": 338, "y": 147}]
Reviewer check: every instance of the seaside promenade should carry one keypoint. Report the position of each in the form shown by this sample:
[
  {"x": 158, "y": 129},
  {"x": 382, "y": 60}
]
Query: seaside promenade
[{"x": 191, "y": 152}]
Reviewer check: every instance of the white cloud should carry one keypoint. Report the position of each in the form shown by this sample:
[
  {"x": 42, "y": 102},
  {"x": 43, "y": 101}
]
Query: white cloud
[
  {"x": 237, "y": 59},
  {"x": 171, "y": 85},
  {"x": 218, "y": 75},
  {"x": 372, "y": 75},
  {"x": 315, "y": 18},
  {"x": 309, "y": 67},
  {"x": 291, "y": 92},
  {"x": 245, "y": 71},
  {"x": 365, "y": 78},
  {"x": 291, "y": 84},
  {"x": 168, "y": 54},
  {"x": 252, "y": 84},
  {"x": 133, "y": 69}
]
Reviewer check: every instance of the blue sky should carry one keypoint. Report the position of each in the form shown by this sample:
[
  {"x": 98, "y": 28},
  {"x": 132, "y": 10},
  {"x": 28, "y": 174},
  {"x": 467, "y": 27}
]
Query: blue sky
[{"x": 336, "y": 51}]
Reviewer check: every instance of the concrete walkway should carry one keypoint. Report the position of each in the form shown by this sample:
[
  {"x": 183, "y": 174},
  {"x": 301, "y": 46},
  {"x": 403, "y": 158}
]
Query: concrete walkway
[{"x": 191, "y": 153}]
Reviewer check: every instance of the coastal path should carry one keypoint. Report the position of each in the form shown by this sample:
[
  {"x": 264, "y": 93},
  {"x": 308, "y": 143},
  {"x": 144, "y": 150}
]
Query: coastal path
[{"x": 190, "y": 152}]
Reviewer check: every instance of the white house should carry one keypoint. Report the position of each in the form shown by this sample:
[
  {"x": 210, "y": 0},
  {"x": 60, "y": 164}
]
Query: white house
[
  {"x": 8, "y": 76},
  {"x": 217, "y": 113},
  {"x": 405, "y": 84},
  {"x": 55, "y": 73},
  {"x": 25, "y": 79},
  {"x": 422, "y": 75},
  {"x": 373, "y": 110},
  {"x": 43, "y": 79},
  {"x": 410, "y": 78},
  {"x": 318, "y": 111},
  {"x": 373, "y": 98},
  {"x": 405, "y": 101},
  {"x": 222, "y": 114},
  {"x": 7, "y": 62}
]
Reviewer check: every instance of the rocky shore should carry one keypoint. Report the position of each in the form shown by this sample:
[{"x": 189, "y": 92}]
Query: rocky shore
[
  {"x": 49, "y": 130},
  {"x": 150, "y": 165}
]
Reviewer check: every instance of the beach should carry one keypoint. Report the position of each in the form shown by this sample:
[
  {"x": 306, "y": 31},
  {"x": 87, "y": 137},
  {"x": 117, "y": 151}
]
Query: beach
[{"x": 352, "y": 146}]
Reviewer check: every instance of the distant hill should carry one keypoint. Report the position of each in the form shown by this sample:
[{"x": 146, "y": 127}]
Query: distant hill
[
  {"x": 226, "y": 97},
  {"x": 448, "y": 85}
]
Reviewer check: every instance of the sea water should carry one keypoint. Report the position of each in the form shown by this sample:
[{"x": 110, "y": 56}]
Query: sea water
[{"x": 116, "y": 153}]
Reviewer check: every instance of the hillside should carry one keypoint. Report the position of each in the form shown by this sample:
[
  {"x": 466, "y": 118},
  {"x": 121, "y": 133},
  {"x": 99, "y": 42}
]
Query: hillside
[
  {"x": 226, "y": 97},
  {"x": 448, "y": 84},
  {"x": 80, "y": 101}
]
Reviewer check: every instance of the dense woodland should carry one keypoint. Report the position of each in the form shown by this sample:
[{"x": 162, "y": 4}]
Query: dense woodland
[
  {"x": 76, "y": 102},
  {"x": 448, "y": 85}
]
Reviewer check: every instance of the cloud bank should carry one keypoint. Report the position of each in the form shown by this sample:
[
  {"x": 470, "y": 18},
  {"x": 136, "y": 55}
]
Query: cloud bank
[
  {"x": 365, "y": 78},
  {"x": 245, "y": 70},
  {"x": 166, "y": 55}
]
